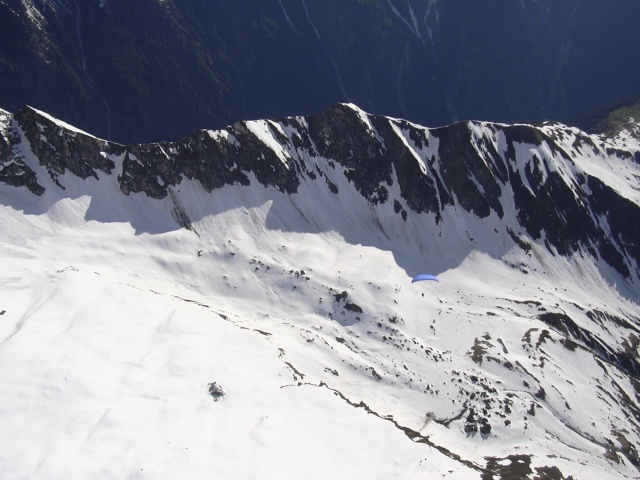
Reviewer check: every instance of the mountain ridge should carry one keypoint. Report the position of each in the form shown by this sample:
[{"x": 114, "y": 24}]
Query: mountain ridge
[
  {"x": 480, "y": 159},
  {"x": 272, "y": 260}
]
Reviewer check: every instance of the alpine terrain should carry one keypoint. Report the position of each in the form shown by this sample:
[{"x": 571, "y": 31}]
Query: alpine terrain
[
  {"x": 144, "y": 71},
  {"x": 238, "y": 303}
]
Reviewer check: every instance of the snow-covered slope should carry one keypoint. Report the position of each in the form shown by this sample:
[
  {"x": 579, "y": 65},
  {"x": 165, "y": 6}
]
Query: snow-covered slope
[{"x": 238, "y": 304}]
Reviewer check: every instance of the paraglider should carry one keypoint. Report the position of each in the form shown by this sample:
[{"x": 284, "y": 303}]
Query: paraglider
[{"x": 424, "y": 276}]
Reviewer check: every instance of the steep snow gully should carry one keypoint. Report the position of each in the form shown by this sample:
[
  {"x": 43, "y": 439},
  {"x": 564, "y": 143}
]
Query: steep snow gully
[
  {"x": 239, "y": 303},
  {"x": 88, "y": 78}
]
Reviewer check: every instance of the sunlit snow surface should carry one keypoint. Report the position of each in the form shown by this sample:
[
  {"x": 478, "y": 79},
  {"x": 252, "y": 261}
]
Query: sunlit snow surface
[{"x": 114, "y": 322}]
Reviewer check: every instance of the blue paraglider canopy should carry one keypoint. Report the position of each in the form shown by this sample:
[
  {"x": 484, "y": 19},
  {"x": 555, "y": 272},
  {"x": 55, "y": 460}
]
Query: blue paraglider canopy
[{"x": 424, "y": 276}]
